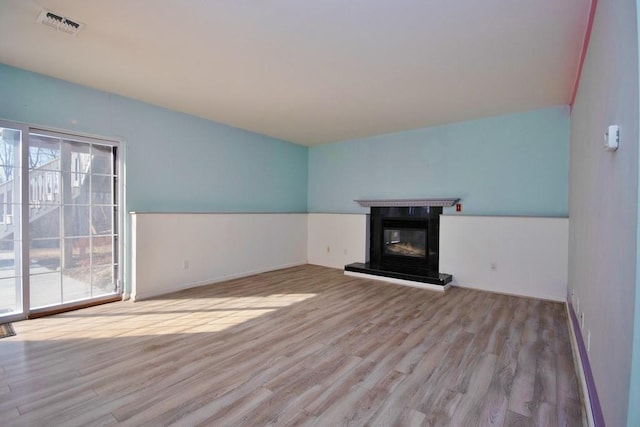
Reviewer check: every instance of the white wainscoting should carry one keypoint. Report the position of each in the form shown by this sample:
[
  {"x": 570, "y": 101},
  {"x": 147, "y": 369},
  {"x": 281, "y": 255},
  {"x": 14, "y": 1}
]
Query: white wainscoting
[
  {"x": 530, "y": 254},
  {"x": 173, "y": 251},
  {"x": 335, "y": 240}
]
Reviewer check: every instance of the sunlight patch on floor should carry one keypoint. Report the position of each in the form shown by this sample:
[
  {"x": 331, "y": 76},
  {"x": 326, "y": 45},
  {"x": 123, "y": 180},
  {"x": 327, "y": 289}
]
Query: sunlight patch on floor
[{"x": 160, "y": 317}]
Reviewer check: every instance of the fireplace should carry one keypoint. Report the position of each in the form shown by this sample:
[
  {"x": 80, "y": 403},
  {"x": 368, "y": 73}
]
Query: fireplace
[
  {"x": 404, "y": 241},
  {"x": 405, "y": 237}
]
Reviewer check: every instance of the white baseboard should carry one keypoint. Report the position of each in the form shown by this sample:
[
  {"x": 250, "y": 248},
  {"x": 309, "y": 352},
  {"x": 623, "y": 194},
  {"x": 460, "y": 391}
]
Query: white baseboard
[
  {"x": 146, "y": 295},
  {"x": 536, "y": 295}
]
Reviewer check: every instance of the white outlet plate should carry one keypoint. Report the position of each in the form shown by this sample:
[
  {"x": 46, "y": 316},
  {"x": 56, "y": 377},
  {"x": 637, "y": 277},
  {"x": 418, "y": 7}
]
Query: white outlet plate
[{"x": 612, "y": 138}]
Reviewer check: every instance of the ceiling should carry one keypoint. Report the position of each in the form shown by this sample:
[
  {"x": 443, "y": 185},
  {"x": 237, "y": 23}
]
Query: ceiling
[{"x": 311, "y": 72}]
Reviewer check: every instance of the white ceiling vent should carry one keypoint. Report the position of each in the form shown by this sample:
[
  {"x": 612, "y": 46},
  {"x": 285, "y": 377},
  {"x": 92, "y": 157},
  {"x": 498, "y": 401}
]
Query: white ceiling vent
[{"x": 59, "y": 22}]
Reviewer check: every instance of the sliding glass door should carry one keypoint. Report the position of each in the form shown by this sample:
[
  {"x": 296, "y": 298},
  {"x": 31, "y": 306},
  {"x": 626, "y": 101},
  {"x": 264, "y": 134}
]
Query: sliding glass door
[
  {"x": 63, "y": 190},
  {"x": 12, "y": 296},
  {"x": 72, "y": 218}
]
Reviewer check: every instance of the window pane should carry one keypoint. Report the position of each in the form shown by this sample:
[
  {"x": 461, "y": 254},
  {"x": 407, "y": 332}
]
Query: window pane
[
  {"x": 101, "y": 189},
  {"x": 44, "y": 153},
  {"x": 10, "y": 295},
  {"x": 10, "y": 187},
  {"x": 103, "y": 280},
  {"x": 45, "y": 289},
  {"x": 102, "y": 162},
  {"x": 7, "y": 173},
  {"x": 77, "y": 156},
  {"x": 77, "y": 253},
  {"x": 44, "y": 221},
  {"x": 9, "y": 151},
  {"x": 102, "y": 220},
  {"x": 76, "y": 221},
  {"x": 102, "y": 251},
  {"x": 76, "y": 284},
  {"x": 9, "y": 214},
  {"x": 8, "y": 266},
  {"x": 44, "y": 187},
  {"x": 44, "y": 256},
  {"x": 76, "y": 187}
]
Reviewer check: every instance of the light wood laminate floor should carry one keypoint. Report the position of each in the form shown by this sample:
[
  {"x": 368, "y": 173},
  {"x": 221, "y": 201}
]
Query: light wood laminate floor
[{"x": 300, "y": 346}]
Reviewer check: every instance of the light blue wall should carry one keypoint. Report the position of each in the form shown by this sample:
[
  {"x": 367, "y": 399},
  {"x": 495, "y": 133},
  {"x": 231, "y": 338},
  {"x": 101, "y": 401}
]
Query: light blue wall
[
  {"x": 508, "y": 165},
  {"x": 173, "y": 161}
]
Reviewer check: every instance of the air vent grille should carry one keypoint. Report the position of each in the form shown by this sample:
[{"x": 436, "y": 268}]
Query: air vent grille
[{"x": 59, "y": 22}]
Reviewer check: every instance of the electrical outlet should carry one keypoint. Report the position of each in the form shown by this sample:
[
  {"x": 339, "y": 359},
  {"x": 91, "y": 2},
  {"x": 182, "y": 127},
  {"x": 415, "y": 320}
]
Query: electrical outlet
[
  {"x": 494, "y": 266},
  {"x": 185, "y": 264},
  {"x": 588, "y": 340},
  {"x": 328, "y": 249}
]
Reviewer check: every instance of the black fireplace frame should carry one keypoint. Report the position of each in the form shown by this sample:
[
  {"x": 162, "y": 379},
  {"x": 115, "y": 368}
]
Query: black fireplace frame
[
  {"x": 421, "y": 214},
  {"x": 426, "y": 218}
]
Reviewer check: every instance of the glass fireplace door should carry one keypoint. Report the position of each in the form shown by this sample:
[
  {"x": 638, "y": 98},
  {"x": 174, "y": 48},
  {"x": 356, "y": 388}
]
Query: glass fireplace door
[{"x": 405, "y": 242}]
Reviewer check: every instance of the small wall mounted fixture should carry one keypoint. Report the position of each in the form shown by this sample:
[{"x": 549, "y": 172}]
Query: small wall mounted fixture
[{"x": 612, "y": 138}]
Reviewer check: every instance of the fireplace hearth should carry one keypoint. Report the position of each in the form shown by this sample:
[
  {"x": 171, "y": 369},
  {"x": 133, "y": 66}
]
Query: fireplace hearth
[{"x": 404, "y": 243}]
